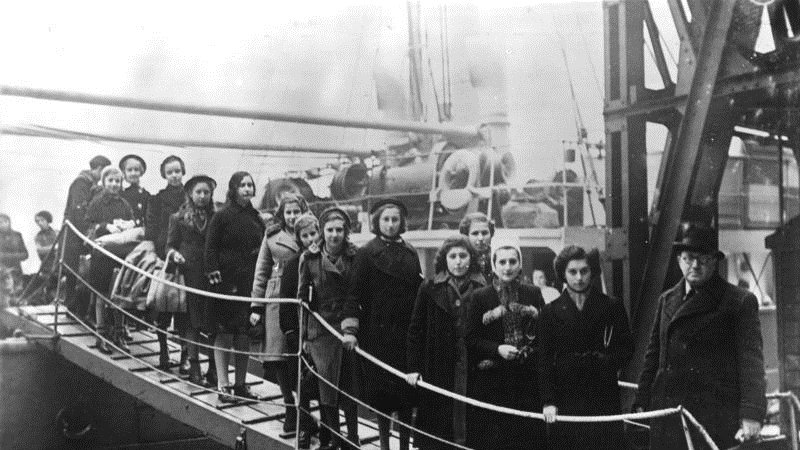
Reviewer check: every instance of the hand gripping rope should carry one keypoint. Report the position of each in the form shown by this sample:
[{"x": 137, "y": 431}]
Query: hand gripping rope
[{"x": 686, "y": 416}]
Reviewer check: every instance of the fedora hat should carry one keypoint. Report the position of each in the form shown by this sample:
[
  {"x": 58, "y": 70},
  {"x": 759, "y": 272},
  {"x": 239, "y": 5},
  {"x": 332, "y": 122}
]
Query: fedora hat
[{"x": 699, "y": 238}]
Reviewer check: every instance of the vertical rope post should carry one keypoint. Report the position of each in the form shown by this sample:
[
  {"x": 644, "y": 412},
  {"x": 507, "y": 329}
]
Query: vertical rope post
[
  {"x": 686, "y": 432},
  {"x": 64, "y": 231},
  {"x": 300, "y": 367},
  {"x": 792, "y": 423}
]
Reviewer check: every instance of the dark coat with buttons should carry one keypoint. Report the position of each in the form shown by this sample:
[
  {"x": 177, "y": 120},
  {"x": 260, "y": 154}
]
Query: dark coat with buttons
[
  {"x": 436, "y": 349},
  {"x": 160, "y": 206},
  {"x": 581, "y": 353},
  {"x": 508, "y": 383},
  {"x": 138, "y": 198},
  {"x": 233, "y": 240},
  {"x": 705, "y": 353},
  {"x": 384, "y": 283}
]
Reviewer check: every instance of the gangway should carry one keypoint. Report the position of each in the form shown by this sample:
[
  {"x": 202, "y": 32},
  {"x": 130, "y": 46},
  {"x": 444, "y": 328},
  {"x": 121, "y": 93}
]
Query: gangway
[{"x": 260, "y": 423}]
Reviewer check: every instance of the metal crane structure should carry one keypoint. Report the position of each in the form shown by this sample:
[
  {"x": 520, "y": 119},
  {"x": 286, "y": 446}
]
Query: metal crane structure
[{"x": 722, "y": 82}]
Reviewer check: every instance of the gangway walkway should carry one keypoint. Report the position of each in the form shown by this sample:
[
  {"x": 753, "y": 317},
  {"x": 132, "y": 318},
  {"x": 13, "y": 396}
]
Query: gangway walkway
[{"x": 261, "y": 422}]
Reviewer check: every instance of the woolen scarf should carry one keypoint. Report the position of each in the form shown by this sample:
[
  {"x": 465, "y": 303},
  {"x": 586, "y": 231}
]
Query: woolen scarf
[{"x": 195, "y": 217}]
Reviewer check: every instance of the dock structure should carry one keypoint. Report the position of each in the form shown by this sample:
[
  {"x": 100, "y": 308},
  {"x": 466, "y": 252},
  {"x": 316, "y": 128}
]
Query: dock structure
[{"x": 259, "y": 423}]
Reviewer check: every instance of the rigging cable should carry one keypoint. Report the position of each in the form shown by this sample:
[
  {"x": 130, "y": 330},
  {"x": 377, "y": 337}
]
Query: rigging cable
[{"x": 589, "y": 57}]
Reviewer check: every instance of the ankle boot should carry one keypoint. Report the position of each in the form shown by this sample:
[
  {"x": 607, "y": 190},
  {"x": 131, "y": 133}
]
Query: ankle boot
[
  {"x": 194, "y": 372},
  {"x": 327, "y": 436},
  {"x": 290, "y": 420},
  {"x": 183, "y": 369},
  {"x": 102, "y": 341},
  {"x": 163, "y": 352}
]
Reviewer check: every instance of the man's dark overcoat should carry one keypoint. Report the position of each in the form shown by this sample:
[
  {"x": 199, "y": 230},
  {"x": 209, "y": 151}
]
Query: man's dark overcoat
[
  {"x": 581, "y": 352},
  {"x": 705, "y": 353},
  {"x": 384, "y": 282}
]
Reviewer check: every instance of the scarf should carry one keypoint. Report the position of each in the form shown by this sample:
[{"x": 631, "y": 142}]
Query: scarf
[
  {"x": 513, "y": 320},
  {"x": 195, "y": 217}
]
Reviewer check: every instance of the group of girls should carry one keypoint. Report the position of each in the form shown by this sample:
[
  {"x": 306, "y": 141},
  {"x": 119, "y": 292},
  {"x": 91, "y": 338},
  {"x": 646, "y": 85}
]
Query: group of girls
[{"x": 474, "y": 328}]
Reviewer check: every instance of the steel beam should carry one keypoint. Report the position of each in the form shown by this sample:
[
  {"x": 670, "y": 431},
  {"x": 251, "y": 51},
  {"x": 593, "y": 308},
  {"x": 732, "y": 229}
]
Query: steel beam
[
  {"x": 453, "y": 131},
  {"x": 678, "y": 183},
  {"x": 626, "y": 163},
  {"x": 788, "y": 77}
]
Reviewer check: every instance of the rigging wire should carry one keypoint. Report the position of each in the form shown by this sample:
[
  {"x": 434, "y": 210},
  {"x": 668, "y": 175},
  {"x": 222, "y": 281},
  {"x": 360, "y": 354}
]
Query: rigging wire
[
  {"x": 589, "y": 56},
  {"x": 439, "y": 112}
]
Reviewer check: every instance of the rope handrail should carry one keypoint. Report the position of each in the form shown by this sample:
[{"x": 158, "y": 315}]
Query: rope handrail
[
  {"x": 490, "y": 406},
  {"x": 139, "y": 320},
  {"x": 166, "y": 374},
  {"x": 375, "y": 410},
  {"x": 192, "y": 290}
]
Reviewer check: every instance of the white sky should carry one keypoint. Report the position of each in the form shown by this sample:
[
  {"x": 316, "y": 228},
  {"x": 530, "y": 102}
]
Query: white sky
[{"x": 210, "y": 54}]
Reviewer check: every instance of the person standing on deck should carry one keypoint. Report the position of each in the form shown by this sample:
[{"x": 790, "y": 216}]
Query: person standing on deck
[
  {"x": 705, "y": 352},
  {"x": 133, "y": 168},
  {"x": 80, "y": 194},
  {"x": 584, "y": 342},
  {"x": 437, "y": 352},
  {"x": 324, "y": 272},
  {"x": 277, "y": 248},
  {"x": 480, "y": 231},
  {"x": 187, "y": 239},
  {"x": 502, "y": 345},
  {"x": 159, "y": 209},
  {"x": 233, "y": 240},
  {"x": 386, "y": 278}
]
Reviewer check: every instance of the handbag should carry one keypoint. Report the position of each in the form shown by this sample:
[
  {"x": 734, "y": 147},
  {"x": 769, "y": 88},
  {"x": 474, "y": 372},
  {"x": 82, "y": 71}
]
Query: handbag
[{"x": 162, "y": 297}]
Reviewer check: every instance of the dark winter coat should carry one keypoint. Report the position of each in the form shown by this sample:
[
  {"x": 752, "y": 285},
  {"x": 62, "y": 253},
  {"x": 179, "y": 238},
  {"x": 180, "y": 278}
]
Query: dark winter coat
[
  {"x": 159, "y": 208},
  {"x": 12, "y": 250},
  {"x": 78, "y": 198},
  {"x": 138, "y": 198},
  {"x": 507, "y": 383},
  {"x": 232, "y": 244},
  {"x": 436, "y": 349},
  {"x": 191, "y": 243},
  {"x": 328, "y": 299},
  {"x": 102, "y": 211},
  {"x": 705, "y": 353},
  {"x": 385, "y": 280},
  {"x": 581, "y": 352}
]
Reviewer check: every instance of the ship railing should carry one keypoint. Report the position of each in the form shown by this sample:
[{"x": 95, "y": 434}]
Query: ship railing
[{"x": 303, "y": 307}]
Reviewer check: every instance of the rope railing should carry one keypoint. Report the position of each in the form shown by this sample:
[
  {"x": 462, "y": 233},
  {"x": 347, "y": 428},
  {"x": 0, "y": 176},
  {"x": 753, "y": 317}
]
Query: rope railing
[
  {"x": 376, "y": 411},
  {"x": 177, "y": 337},
  {"x": 490, "y": 406},
  {"x": 235, "y": 298},
  {"x": 627, "y": 418},
  {"x": 165, "y": 374}
]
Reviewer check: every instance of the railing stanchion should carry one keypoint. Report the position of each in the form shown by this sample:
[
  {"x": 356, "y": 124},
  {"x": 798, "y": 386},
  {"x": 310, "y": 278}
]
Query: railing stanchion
[
  {"x": 64, "y": 231},
  {"x": 792, "y": 423},
  {"x": 300, "y": 368}
]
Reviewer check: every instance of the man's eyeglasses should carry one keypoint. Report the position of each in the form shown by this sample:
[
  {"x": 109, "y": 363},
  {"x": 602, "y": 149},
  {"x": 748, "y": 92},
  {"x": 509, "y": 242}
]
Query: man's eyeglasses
[{"x": 690, "y": 258}]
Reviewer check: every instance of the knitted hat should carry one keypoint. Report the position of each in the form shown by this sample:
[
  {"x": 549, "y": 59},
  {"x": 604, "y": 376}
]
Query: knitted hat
[{"x": 500, "y": 242}]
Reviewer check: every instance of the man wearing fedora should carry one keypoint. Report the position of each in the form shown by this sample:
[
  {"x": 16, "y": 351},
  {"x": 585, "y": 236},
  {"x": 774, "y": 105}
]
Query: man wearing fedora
[{"x": 705, "y": 352}]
